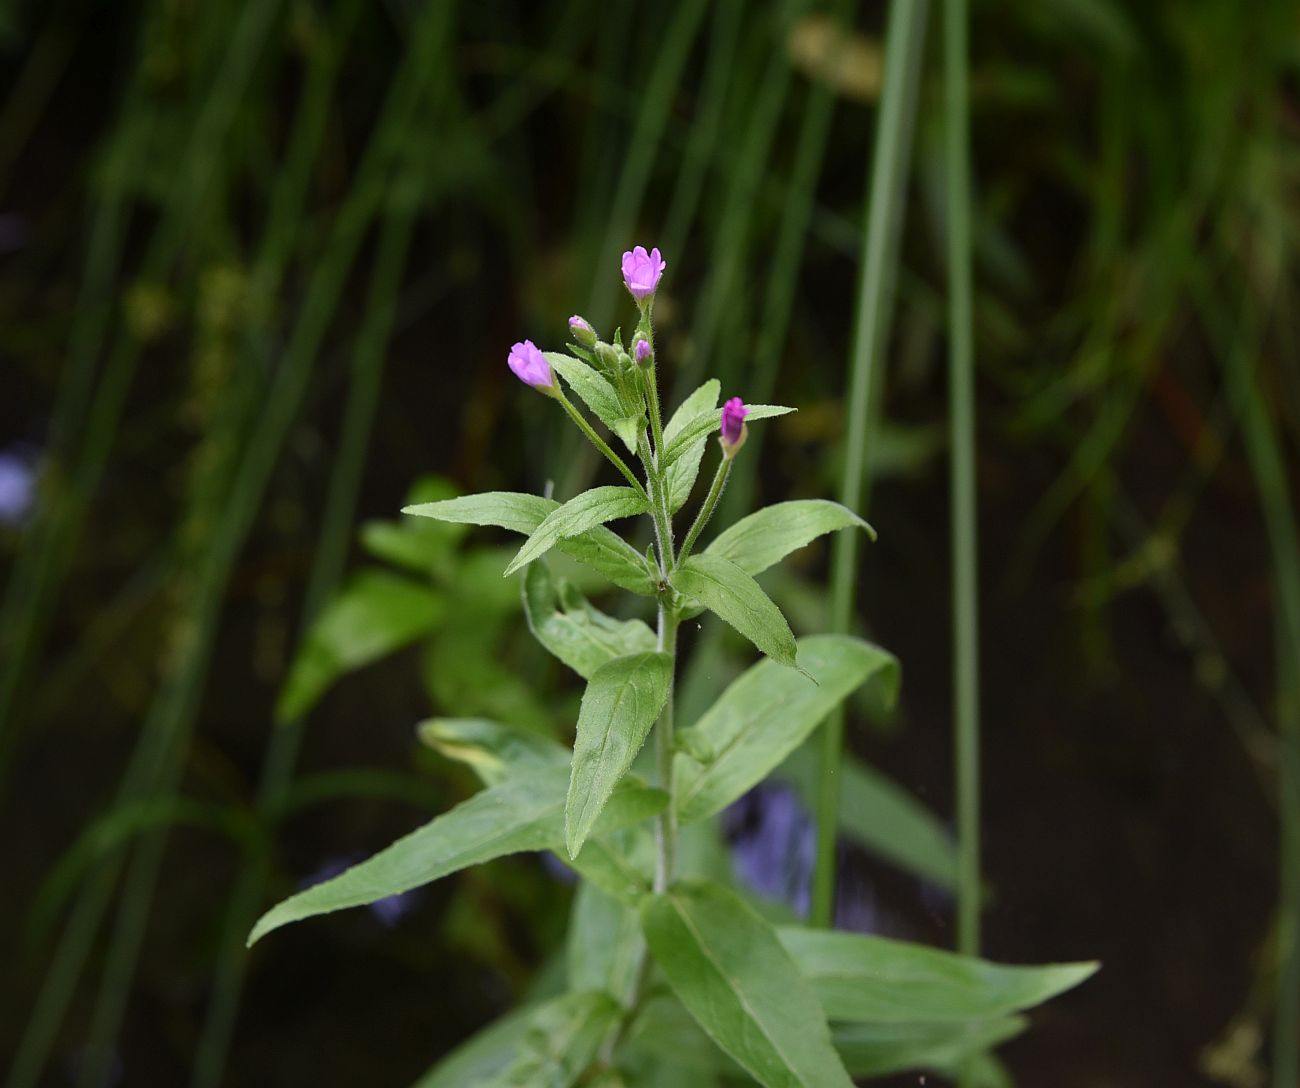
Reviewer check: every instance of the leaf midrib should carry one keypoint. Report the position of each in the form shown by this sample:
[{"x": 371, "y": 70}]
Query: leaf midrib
[{"x": 731, "y": 985}]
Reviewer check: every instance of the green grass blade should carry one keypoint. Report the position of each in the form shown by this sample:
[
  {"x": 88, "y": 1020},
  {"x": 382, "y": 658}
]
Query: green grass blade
[{"x": 891, "y": 155}]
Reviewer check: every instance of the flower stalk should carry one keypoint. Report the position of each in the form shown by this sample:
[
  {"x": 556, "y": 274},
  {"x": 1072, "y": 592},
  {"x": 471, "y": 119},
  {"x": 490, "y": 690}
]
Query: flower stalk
[{"x": 600, "y": 444}]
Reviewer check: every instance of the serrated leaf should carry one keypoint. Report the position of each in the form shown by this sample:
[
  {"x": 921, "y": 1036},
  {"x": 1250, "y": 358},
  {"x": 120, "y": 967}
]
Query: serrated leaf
[
  {"x": 686, "y": 467},
  {"x": 591, "y": 387},
  {"x": 725, "y": 589},
  {"x": 548, "y": 1045},
  {"x": 580, "y": 514},
  {"x": 375, "y": 614},
  {"x": 704, "y": 424},
  {"x": 604, "y": 947},
  {"x": 492, "y": 750},
  {"x": 580, "y": 635},
  {"x": 514, "y": 510},
  {"x": 882, "y": 817},
  {"x": 733, "y": 975},
  {"x": 861, "y": 977},
  {"x": 599, "y": 548},
  {"x": 622, "y": 701},
  {"x": 629, "y": 429},
  {"x": 767, "y": 536},
  {"x": 765, "y": 714},
  {"x": 522, "y": 813}
]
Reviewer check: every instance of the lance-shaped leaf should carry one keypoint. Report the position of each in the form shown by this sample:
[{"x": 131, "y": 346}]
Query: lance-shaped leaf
[
  {"x": 523, "y": 813},
  {"x": 622, "y": 701},
  {"x": 492, "y": 750},
  {"x": 725, "y": 589},
  {"x": 767, "y": 536},
  {"x": 599, "y": 548},
  {"x": 578, "y": 515},
  {"x": 376, "y": 614},
  {"x": 621, "y": 864},
  {"x": 682, "y": 472},
  {"x": 947, "y": 1048},
  {"x": 704, "y": 424},
  {"x": 580, "y": 635},
  {"x": 604, "y": 947},
  {"x": 549, "y": 1044},
  {"x": 599, "y": 395},
  {"x": 868, "y": 978},
  {"x": 729, "y": 969},
  {"x": 765, "y": 714}
]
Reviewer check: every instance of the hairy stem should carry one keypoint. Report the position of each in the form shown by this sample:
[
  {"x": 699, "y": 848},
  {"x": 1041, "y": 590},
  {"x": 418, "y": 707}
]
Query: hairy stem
[
  {"x": 600, "y": 444},
  {"x": 666, "y": 832},
  {"x": 706, "y": 511}
]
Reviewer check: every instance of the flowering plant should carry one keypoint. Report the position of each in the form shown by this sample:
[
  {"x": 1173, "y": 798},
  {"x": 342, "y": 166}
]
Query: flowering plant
[{"x": 673, "y": 976}]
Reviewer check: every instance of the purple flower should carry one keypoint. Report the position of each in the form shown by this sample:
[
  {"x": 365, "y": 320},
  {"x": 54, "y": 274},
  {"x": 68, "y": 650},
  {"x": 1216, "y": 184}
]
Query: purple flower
[
  {"x": 530, "y": 366},
  {"x": 582, "y": 331},
  {"x": 641, "y": 272},
  {"x": 733, "y": 422},
  {"x": 773, "y": 841},
  {"x": 17, "y": 488},
  {"x": 641, "y": 352}
]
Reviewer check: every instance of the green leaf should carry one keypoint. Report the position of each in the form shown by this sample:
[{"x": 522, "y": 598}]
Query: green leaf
[
  {"x": 723, "y": 588},
  {"x": 664, "y": 1033},
  {"x": 580, "y": 635},
  {"x": 599, "y": 395},
  {"x": 765, "y": 714},
  {"x": 492, "y": 750},
  {"x": 599, "y": 548},
  {"x": 867, "y": 978},
  {"x": 767, "y": 536},
  {"x": 604, "y": 947},
  {"x": 729, "y": 969},
  {"x": 578, "y": 515},
  {"x": 620, "y": 864},
  {"x": 513, "y": 510},
  {"x": 874, "y": 1050},
  {"x": 375, "y": 614},
  {"x": 622, "y": 701},
  {"x": 522, "y": 813},
  {"x": 548, "y": 1045},
  {"x": 704, "y": 424},
  {"x": 882, "y": 817},
  {"x": 686, "y": 466}
]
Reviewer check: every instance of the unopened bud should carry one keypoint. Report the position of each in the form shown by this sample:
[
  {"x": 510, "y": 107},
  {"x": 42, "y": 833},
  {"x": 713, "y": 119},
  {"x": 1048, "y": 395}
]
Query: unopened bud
[{"x": 582, "y": 331}]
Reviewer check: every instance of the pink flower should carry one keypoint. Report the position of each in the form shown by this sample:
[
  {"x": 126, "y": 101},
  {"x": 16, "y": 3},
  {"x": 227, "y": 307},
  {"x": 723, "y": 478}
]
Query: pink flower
[
  {"x": 641, "y": 272},
  {"x": 733, "y": 421},
  {"x": 582, "y": 331},
  {"x": 641, "y": 352},
  {"x": 530, "y": 366}
]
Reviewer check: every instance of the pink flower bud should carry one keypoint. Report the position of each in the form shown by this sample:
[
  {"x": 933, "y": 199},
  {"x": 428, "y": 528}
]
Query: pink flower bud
[
  {"x": 641, "y": 352},
  {"x": 641, "y": 272},
  {"x": 530, "y": 366},
  {"x": 733, "y": 426},
  {"x": 582, "y": 331}
]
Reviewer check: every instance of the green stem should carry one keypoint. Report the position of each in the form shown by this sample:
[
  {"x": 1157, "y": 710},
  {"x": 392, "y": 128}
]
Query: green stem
[
  {"x": 600, "y": 443},
  {"x": 706, "y": 511},
  {"x": 904, "y": 47},
  {"x": 962, "y": 454},
  {"x": 666, "y": 837},
  {"x": 663, "y": 521}
]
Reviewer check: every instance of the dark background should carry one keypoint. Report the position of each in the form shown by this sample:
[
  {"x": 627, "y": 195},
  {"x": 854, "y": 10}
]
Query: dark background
[{"x": 189, "y": 343}]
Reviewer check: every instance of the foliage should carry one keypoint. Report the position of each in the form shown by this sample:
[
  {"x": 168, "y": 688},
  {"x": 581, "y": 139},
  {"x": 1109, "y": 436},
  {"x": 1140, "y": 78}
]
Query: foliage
[{"x": 765, "y": 998}]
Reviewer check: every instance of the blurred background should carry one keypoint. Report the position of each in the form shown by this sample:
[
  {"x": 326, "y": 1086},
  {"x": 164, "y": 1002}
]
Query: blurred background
[{"x": 260, "y": 267}]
